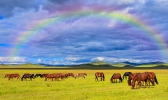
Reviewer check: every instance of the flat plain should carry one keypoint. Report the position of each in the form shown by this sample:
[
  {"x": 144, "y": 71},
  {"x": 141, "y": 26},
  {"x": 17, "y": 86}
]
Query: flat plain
[{"x": 80, "y": 88}]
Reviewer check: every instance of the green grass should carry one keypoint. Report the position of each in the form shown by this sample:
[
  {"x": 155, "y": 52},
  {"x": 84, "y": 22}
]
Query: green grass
[{"x": 80, "y": 89}]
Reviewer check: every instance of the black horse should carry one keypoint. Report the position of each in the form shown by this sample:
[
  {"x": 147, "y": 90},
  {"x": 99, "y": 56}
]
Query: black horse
[
  {"x": 27, "y": 75},
  {"x": 126, "y": 74},
  {"x": 39, "y": 75}
]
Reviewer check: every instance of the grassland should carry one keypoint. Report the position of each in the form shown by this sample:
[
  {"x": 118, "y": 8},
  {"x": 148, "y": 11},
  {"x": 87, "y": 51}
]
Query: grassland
[{"x": 80, "y": 89}]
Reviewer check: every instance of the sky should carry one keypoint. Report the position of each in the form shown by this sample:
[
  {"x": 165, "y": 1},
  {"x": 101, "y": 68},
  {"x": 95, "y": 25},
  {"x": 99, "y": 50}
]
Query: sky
[{"x": 68, "y": 32}]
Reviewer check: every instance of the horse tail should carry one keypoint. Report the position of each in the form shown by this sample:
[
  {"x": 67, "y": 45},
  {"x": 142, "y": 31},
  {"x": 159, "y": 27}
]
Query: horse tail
[
  {"x": 103, "y": 77},
  {"x": 156, "y": 80}
]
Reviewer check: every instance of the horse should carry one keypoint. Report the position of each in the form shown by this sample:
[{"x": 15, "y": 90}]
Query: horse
[
  {"x": 11, "y": 76},
  {"x": 126, "y": 74},
  {"x": 39, "y": 75},
  {"x": 71, "y": 74},
  {"x": 6, "y": 75},
  {"x": 116, "y": 76},
  {"x": 101, "y": 75},
  {"x": 27, "y": 75},
  {"x": 153, "y": 78},
  {"x": 140, "y": 77},
  {"x": 130, "y": 77},
  {"x": 52, "y": 76},
  {"x": 81, "y": 75}
]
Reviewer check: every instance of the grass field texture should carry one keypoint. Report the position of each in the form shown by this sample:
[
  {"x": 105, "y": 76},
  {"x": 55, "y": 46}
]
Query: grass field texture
[{"x": 80, "y": 89}]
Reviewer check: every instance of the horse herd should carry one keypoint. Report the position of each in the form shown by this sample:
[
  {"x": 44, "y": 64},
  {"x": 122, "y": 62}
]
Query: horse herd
[
  {"x": 135, "y": 80},
  {"x": 54, "y": 76}
]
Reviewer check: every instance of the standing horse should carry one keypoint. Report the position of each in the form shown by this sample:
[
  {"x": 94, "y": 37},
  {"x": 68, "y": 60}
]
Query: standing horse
[
  {"x": 27, "y": 75},
  {"x": 71, "y": 74},
  {"x": 126, "y": 74},
  {"x": 6, "y": 75},
  {"x": 39, "y": 75},
  {"x": 140, "y": 77},
  {"x": 101, "y": 75},
  {"x": 153, "y": 78},
  {"x": 11, "y": 76},
  {"x": 131, "y": 76},
  {"x": 116, "y": 76},
  {"x": 52, "y": 76},
  {"x": 81, "y": 75}
]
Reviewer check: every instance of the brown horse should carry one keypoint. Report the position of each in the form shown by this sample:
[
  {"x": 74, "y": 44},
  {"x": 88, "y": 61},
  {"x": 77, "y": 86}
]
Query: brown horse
[
  {"x": 71, "y": 74},
  {"x": 6, "y": 75},
  {"x": 114, "y": 78},
  {"x": 101, "y": 75},
  {"x": 153, "y": 78},
  {"x": 140, "y": 77},
  {"x": 11, "y": 76},
  {"x": 131, "y": 76},
  {"x": 55, "y": 76},
  {"x": 81, "y": 75}
]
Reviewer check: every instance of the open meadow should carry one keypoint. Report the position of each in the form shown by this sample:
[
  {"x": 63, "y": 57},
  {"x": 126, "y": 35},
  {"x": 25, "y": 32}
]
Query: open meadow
[{"x": 80, "y": 88}]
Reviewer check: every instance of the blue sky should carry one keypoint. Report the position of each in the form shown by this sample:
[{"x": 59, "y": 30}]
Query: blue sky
[{"x": 84, "y": 39}]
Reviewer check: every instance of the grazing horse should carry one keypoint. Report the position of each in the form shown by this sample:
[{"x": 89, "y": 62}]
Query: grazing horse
[
  {"x": 52, "y": 76},
  {"x": 140, "y": 77},
  {"x": 71, "y": 74},
  {"x": 126, "y": 74},
  {"x": 27, "y": 75},
  {"x": 153, "y": 78},
  {"x": 11, "y": 76},
  {"x": 39, "y": 75},
  {"x": 81, "y": 75},
  {"x": 6, "y": 75},
  {"x": 131, "y": 76},
  {"x": 101, "y": 75},
  {"x": 116, "y": 76}
]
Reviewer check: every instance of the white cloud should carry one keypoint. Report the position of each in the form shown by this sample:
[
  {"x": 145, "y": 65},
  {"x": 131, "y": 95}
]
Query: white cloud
[
  {"x": 72, "y": 58},
  {"x": 98, "y": 59},
  {"x": 39, "y": 60},
  {"x": 13, "y": 60}
]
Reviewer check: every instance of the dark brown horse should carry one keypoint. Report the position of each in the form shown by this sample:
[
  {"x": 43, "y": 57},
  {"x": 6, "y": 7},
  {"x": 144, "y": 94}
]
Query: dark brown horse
[
  {"x": 39, "y": 75},
  {"x": 139, "y": 78},
  {"x": 81, "y": 75},
  {"x": 11, "y": 76},
  {"x": 114, "y": 78},
  {"x": 27, "y": 75},
  {"x": 101, "y": 75}
]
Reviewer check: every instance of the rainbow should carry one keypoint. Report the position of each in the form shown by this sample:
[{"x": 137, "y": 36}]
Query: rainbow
[{"x": 147, "y": 30}]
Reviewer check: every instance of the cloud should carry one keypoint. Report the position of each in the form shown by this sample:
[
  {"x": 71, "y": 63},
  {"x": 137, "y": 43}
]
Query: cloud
[
  {"x": 8, "y": 6},
  {"x": 80, "y": 38},
  {"x": 12, "y": 60}
]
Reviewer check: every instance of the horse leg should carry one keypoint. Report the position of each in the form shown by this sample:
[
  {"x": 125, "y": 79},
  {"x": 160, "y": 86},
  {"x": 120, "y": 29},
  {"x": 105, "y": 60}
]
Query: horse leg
[{"x": 149, "y": 83}]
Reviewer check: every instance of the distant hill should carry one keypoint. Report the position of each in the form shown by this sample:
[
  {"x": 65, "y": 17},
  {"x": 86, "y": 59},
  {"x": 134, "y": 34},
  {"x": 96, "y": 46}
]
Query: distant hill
[{"x": 98, "y": 64}]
